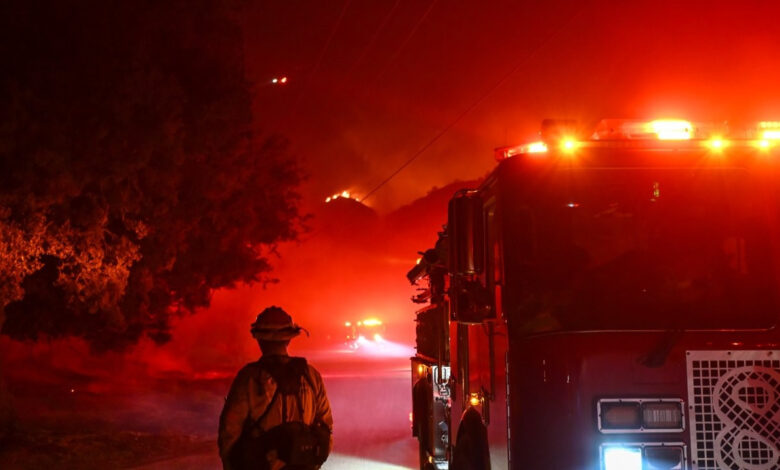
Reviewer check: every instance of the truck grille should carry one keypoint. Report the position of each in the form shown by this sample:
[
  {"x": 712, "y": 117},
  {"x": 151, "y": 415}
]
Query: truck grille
[{"x": 734, "y": 409}]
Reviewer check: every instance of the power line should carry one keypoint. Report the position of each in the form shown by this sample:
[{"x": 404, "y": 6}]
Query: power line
[
  {"x": 321, "y": 55},
  {"x": 377, "y": 32},
  {"x": 471, "y": 107},
  {"x": 405, "y": 41}
]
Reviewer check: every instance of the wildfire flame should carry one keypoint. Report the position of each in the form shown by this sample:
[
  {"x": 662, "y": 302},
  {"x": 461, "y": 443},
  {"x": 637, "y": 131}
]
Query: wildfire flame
[{"x": 343, "y": 194}]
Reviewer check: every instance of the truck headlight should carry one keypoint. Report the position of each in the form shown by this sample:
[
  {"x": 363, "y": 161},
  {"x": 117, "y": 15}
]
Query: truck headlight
[
  {"x": 622, "y": 458},
  {"x": 643, "y": 456}
]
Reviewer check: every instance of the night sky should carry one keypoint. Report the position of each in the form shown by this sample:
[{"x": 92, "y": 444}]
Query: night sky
[
  {"x": 371, "y": 83},
  {"x": 372, "y": 86}
]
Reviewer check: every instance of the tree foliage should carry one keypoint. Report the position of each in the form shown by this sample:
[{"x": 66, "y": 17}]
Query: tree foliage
[{"x": 131, "y": 184}]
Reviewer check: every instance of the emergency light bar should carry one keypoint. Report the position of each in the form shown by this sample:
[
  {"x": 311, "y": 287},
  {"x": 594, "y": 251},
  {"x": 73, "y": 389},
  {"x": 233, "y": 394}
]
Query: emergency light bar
[
  {"x": 660, "y": 129},
  {"x": 770, "y": 130},
  {"x": 565, "y": 137}
]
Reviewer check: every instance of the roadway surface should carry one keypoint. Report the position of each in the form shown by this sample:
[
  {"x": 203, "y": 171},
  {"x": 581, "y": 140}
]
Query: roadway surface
[{"x": 370, "y": 395}]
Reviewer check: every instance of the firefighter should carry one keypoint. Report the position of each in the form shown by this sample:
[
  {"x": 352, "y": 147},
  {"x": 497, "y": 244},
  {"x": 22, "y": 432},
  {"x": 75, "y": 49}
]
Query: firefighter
[{"x": 277, "y": 414}]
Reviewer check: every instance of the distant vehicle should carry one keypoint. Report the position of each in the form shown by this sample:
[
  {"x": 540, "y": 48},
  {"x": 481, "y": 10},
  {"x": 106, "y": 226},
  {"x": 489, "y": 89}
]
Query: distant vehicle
[
  {"x": 607, "y": 300},
  {"x": 361, "y": 332}
]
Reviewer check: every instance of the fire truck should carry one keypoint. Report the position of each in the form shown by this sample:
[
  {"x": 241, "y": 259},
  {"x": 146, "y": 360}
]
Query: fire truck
[
  {"x": 362, "y": 332},
  {"x": 607, "y": 299}
]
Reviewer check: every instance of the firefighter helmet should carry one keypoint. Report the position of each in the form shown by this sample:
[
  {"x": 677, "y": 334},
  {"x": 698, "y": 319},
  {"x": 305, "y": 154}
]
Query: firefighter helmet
[{"x": 274, "y": 324}]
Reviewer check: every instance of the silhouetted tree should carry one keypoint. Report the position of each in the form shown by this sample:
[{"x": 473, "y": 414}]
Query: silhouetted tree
[{"x": 131, "y": 184}]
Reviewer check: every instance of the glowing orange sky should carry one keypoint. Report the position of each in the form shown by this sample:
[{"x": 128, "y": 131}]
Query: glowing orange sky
[
  {"x": 364, "y": 104},
  {"x": 360, "y": 107},
  {"x": 368, "y": 89}
]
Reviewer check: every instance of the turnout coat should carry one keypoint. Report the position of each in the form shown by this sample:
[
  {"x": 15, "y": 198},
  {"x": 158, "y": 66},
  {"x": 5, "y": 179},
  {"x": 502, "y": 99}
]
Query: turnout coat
[{"x": 251, "y": 397}]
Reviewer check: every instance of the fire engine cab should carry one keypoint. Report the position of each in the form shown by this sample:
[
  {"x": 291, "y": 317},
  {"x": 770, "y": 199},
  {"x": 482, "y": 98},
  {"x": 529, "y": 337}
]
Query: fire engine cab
[{"x": 607, "y": 299}]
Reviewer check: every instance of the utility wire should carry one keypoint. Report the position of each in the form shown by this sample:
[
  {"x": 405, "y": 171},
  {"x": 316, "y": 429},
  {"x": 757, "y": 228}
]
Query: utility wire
[
  {"x": 377, "y": 32},
  {"x": 405, "y": 42},
  {"x": 305, "y": 86},
  {"x": 475, "y": 104}
]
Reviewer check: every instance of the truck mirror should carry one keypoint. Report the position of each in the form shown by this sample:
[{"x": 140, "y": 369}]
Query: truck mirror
[{"x": 466, "y": 232}]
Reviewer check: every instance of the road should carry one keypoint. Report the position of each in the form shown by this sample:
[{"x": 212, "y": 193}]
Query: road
[
  {"x": 121, "y": 417},
  {"x": 371, "y": 401}
]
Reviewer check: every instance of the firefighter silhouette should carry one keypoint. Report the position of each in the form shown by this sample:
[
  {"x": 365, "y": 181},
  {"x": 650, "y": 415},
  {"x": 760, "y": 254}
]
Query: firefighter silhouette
[{"x": 277, "y": 414}]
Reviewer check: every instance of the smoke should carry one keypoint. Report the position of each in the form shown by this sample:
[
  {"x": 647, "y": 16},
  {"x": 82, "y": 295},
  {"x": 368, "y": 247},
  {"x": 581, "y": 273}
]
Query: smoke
[
  {"x": 581, "y": 60},
  {"x": 351, "y": 266}
]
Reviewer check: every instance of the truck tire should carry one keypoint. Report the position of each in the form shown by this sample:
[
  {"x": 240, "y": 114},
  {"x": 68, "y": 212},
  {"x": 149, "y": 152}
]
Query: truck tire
[
  {"x": 421, "y": 393},
  {"x": 472, "y": 451}
]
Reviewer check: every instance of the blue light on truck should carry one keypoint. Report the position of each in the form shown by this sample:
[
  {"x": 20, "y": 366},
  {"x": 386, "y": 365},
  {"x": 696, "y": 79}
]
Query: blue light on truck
[
  {"x": 648, "y": 455},
  {"x": 622, "y": 458}
]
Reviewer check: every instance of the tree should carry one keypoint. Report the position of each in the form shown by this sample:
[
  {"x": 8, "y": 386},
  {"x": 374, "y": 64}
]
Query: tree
[{"x": 131, "y": 183}]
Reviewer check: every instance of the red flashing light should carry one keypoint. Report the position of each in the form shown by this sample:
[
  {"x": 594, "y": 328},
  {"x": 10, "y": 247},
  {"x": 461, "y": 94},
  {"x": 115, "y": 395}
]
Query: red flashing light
[
  {"x": 717, "y": 137},
  {"x": 771, "y": 135},
  {"x": 628, "y": 129},
  {"x": 569, "y": 146},
  {"x": 509, "y": 152},
  {"x": 717, "y": 144},
  {"x": 536, "y": 147},
  {"x": 671, "y": 129}
]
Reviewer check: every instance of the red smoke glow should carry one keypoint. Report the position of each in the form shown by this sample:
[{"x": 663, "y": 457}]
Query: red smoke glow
[
  {"x": 350, "y": 267},
  {"x": 362, "y": 99}
]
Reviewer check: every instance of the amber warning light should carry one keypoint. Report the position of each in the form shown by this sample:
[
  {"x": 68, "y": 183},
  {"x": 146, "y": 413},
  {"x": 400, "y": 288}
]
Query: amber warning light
[{"x": 474, "y": 399}]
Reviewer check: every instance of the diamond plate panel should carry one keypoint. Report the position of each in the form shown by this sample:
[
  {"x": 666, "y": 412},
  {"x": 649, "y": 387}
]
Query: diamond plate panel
[{"x": 734, "y": 409}]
